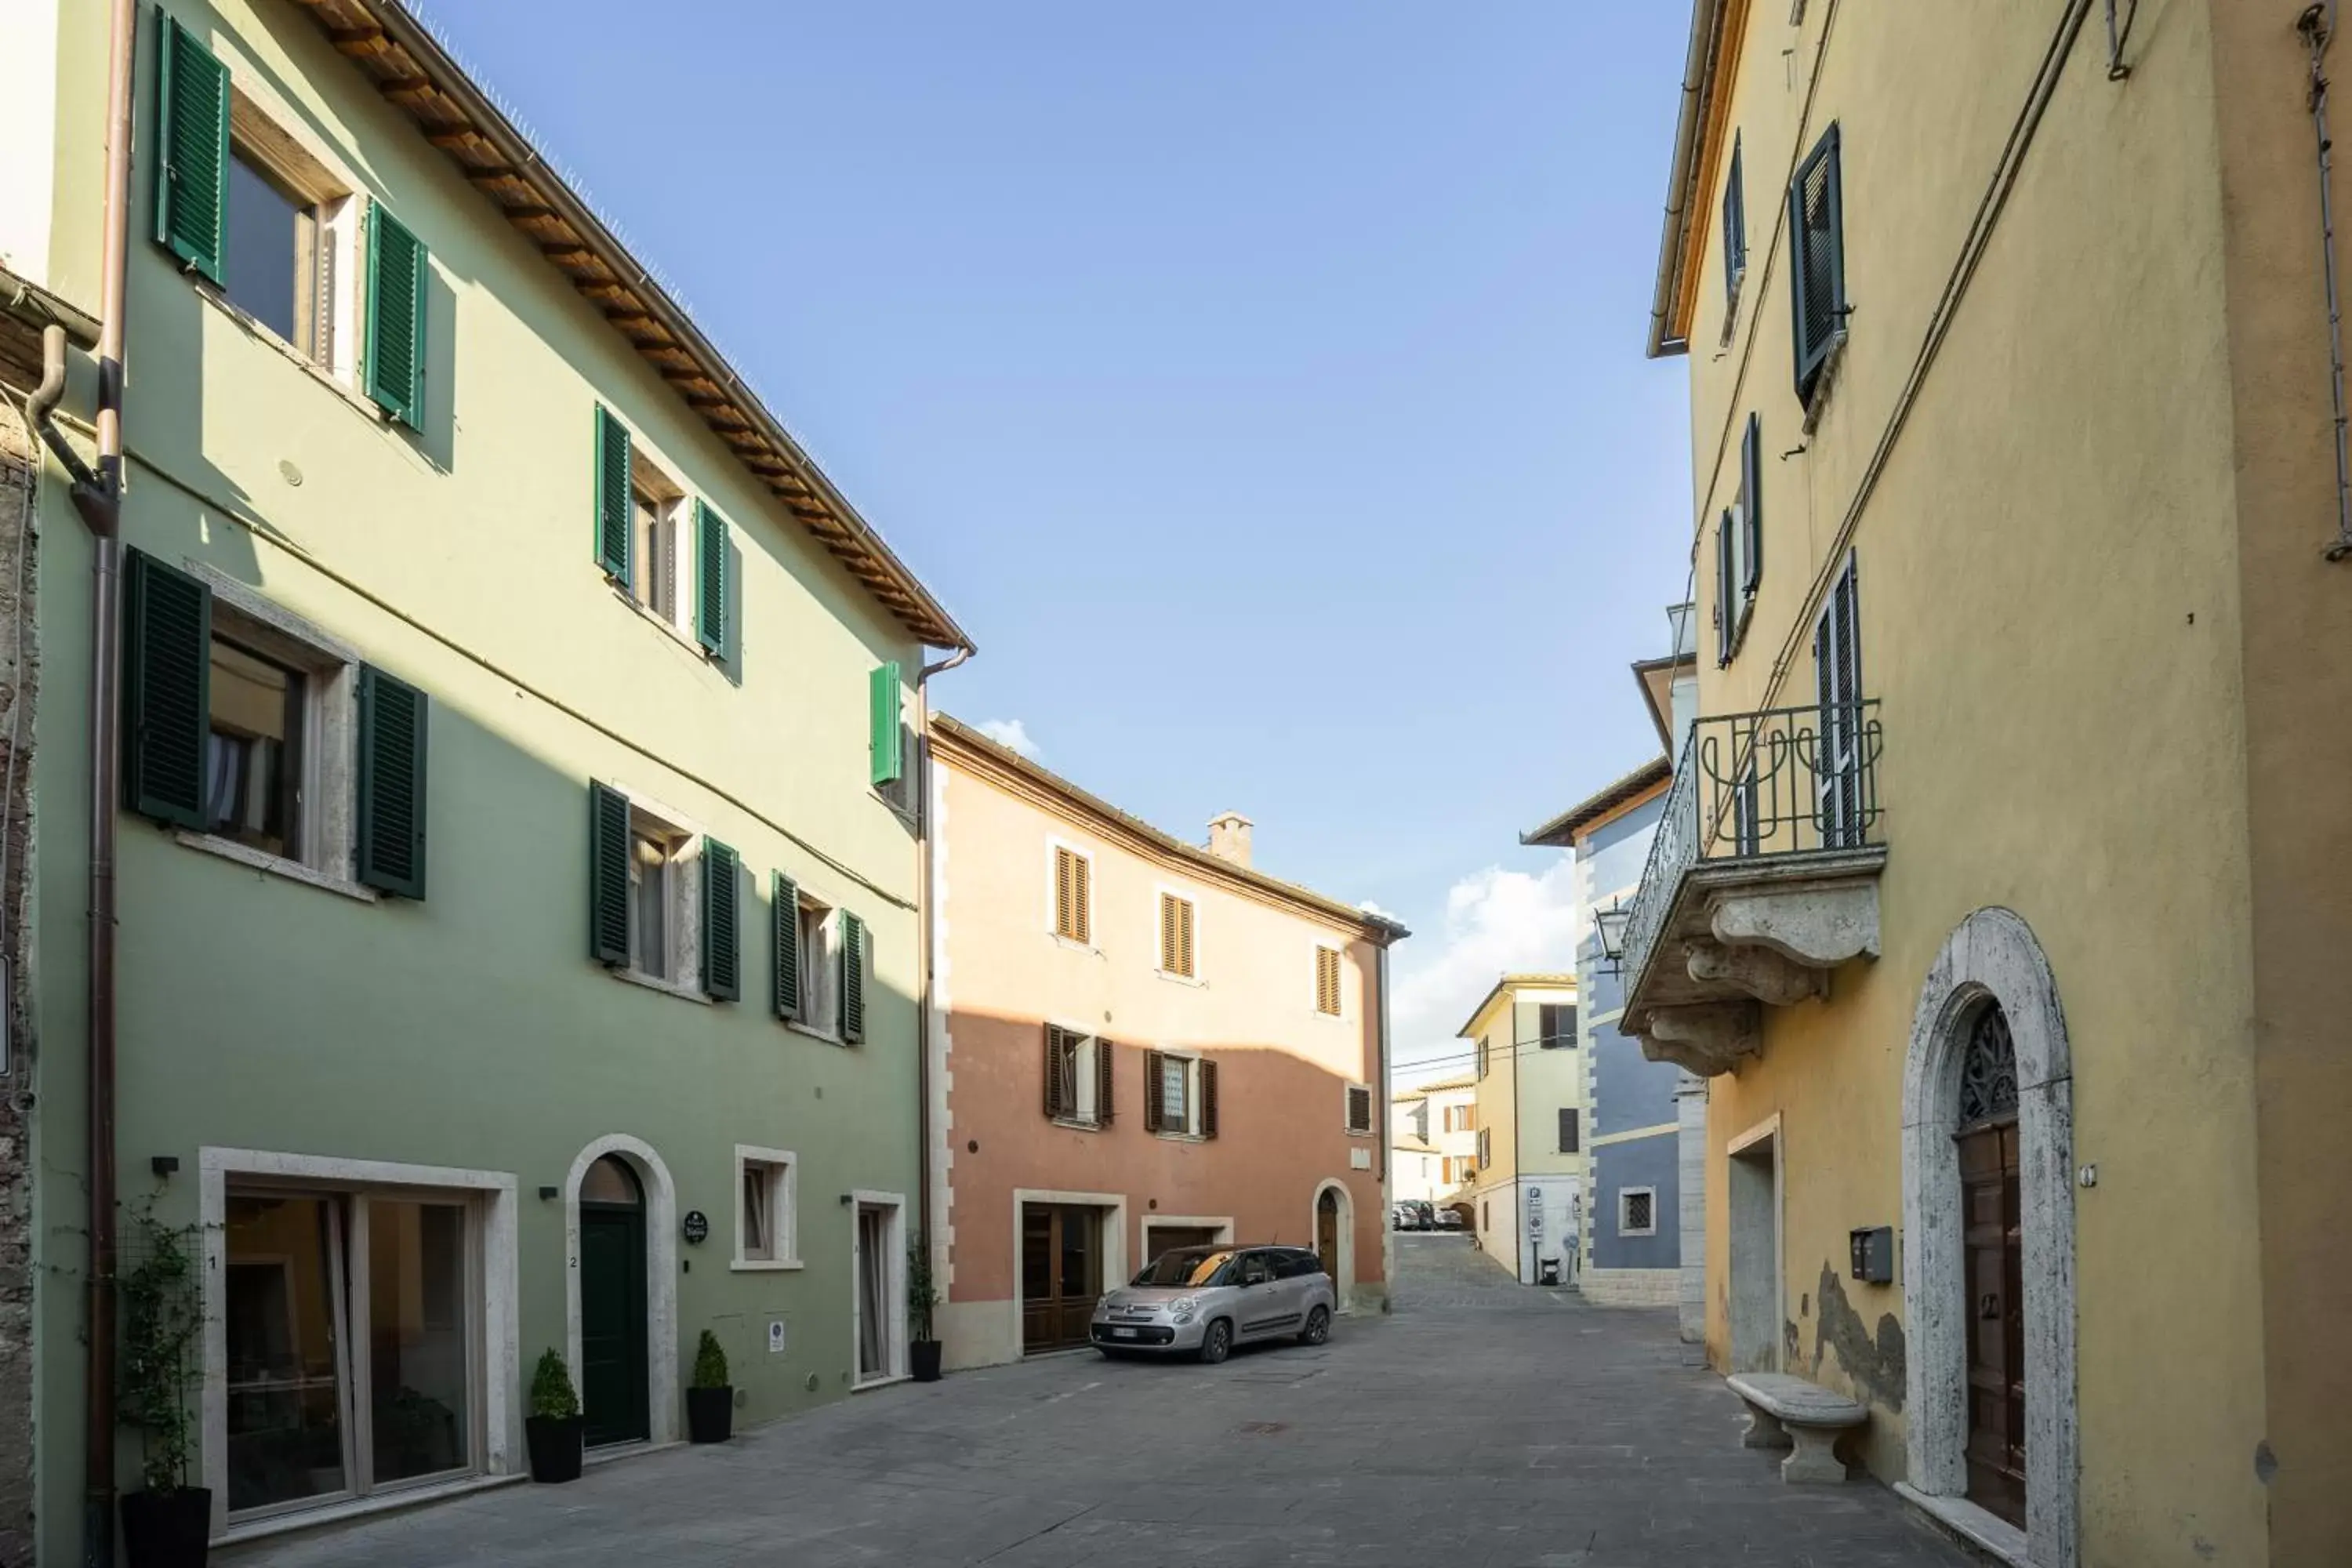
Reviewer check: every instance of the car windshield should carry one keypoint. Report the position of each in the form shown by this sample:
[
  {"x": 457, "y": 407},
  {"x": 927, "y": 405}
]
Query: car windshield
[{"x": 1185, "y": 1266}]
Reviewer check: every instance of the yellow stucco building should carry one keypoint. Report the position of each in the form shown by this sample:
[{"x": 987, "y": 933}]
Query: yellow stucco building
[{"x": 2001, "y": 894}]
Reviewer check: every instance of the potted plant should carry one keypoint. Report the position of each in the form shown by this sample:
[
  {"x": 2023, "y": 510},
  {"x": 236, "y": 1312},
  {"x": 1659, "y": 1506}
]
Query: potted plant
[
  {"x": 167, "y": 1523},
  {"x": 922, "y": 1303},
  {"x": 552, "y": 1429},
  {"x": 709, "y": 1398}
]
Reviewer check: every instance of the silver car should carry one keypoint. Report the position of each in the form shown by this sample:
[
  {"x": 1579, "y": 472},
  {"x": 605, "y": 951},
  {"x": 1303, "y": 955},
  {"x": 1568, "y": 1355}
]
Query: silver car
[{"x": 1204, "y": 1300}]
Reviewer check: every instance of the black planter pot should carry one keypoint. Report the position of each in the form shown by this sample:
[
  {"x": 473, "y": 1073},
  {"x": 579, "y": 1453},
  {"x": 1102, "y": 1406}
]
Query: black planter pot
[
  {"x": 167, "y": 1530},
  {"x": 554, "y": 1447},
  {"x": 925, "y": 1355},
  {"x": 710, "y": 1414}
]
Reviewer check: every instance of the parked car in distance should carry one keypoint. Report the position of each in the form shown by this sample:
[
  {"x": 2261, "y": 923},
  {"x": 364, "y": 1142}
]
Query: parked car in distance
[
  {"x": 1204, "y": 1300},
  {"x": 1413, "y": 1213},
  {"x": 1449, "y": 1219}
]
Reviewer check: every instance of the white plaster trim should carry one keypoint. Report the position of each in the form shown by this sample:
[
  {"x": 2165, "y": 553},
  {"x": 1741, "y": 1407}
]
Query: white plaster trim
[
  {"x": 1634, "y": 1135},
  {"x": 277, "y": 866},
  {"x": 786, "y": 1217},
  {"x": 1115, "y": 1268},
  {"x": 661, "y": 1274},
  {"x": 500, "y": 1360},
  {"x": 683, "y": 992},
  {"x": 894, "y": 1289},
  {"x": 1343, "y": 1289},
  {"x": 1992, "y": 954}
]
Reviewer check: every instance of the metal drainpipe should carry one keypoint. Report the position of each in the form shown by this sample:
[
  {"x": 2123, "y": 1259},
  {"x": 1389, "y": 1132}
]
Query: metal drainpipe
[
  {"x": 101, "y": 506},
  {"x": 927, "y": 959},
  {"x": 2317, "y": 26}
]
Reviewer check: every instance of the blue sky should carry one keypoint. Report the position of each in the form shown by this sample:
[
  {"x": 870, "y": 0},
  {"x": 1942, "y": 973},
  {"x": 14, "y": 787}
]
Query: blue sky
[{"x": 1261, "y": 385}]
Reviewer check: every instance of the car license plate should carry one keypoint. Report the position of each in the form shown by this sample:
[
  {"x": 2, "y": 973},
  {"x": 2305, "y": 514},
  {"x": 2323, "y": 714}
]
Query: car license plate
[{"x": 1122, "y": 1333}]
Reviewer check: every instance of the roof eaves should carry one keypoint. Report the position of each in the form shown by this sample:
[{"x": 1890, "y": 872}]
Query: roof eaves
[
  {"x": 1681, "y": 179},
  {"x": 1598, "y": 807}
]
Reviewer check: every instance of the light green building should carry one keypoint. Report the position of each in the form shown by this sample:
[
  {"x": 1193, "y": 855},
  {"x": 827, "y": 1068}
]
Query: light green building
[{"x": 518, "y": 854}]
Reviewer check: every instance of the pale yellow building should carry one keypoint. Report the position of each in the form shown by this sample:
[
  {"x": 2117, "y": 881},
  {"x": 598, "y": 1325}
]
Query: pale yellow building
[
  {"x": 1528, "y": 1190},
  {"x": 2002, "y": 893}
]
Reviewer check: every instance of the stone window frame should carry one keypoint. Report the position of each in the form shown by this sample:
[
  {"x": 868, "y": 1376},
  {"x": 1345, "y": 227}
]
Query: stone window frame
[{"x": 1625, "y": 1206}]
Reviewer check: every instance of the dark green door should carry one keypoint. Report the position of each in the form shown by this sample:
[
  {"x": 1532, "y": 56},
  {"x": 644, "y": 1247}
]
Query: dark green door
[{"x": 613, "y": 1313}]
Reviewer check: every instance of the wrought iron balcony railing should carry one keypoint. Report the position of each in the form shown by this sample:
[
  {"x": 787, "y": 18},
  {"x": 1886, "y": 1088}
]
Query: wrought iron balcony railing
[{"x": 1781, "y": 781}]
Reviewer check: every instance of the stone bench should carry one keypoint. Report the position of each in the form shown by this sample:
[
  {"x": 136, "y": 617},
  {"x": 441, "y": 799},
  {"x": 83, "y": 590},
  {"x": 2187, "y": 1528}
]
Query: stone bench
[{"x": 1786, "y": 1412}]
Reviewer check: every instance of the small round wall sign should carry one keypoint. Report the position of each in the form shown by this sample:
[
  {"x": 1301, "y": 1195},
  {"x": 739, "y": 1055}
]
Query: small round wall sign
[{"x": 697, "y": 1226}]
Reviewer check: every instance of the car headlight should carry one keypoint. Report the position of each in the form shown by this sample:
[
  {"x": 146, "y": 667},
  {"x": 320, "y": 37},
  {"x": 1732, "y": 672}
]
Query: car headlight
[
  {"x": 1182, "y": 1306},
  {"x": 1183, "y": 1318}
]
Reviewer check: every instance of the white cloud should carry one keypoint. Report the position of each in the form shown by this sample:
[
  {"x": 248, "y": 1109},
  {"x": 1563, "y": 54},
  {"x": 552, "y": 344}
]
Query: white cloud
[
  {"x": 1012, "y": 734},
  {"x": 1496, "y": 921}
]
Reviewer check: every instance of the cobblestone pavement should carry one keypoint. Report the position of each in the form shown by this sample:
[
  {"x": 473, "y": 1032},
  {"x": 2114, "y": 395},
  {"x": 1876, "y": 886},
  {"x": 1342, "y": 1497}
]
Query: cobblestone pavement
[{"x": 1481, "y": 1423}]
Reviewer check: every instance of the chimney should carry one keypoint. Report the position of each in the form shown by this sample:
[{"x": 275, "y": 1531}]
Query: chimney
[{"x": 1229, "y": 837}]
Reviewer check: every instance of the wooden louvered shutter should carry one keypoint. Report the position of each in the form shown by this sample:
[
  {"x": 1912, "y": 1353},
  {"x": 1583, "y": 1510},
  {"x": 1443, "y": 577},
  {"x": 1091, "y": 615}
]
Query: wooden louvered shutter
[
  {"x": 1567, "y": 1130},
  {"x": 785, "y": 912},
  {"x": 608, "y": 876},
  {"x": 395, "y": 317},
  {"x": 1105, "y": 1055},
  {"x": 1207, "y": 1091},
  {"x": 1360, "y": 1109},
  {"x": 1735, "y": 223},
  {"x": 391, "y": 802},
  {"x": 167, "y": 664},
  {"x": 1817, "y": 260},
  {"x": 614, "y": 497},
  {"x": 722, "y": 921},
  {"x": 709, "y": 580},
  {"x": 1724, "y": 607},
  {"x": 883, "y": 746},
  {"x": 1056, "y": 1102},
  {"x": 1155, "y": 1092},
  {"x": 1751, "y": 506},
  {"x": 853, "y": 979},
  {"x": 191, "y": 176}
]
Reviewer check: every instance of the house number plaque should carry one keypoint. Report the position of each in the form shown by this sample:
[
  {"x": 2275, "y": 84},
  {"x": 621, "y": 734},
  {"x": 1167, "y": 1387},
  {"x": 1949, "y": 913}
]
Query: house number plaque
[{"x": 697, "y": 1226}]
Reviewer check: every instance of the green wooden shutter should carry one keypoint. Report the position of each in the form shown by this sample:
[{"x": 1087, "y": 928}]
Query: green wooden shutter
[
  {"x": 1725, "y": 606},
  {"x": 709, "y": 580},
  {"x": 1816, "y": 259},
  {"x": 722, "y": 920},
  {"x": 853, "y": 979},
  {"x": 1751, "y": 506},
  {"x": 608, "y": 876},
  {"x": 889, "y": 762},
  {"x": 1735, "y": 223},
  {"x": 613, "y": 530},
  {"x": 192, "y": 174},
  {"x": 167, "y": 668},
  {"x": 395, "y": 317},
  {"x": 786, "y": 914},
  {"x": 392, "y": 785}
]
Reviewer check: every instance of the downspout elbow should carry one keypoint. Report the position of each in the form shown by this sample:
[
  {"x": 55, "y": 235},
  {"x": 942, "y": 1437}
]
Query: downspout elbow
[{"x": 96, "y": 500}]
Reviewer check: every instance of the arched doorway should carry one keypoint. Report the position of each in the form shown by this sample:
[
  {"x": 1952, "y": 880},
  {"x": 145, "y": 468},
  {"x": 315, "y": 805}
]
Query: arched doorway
[
  {"x": 613, "y": 1395},
  {"x": 1988, "y": 1197},
  {"x": 620, "y": 1290},
  {"x": 1334, "y": 1239}
]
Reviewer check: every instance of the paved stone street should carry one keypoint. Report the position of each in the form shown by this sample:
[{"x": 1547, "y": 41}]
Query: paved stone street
[{"x": 1481, "y": 1423}]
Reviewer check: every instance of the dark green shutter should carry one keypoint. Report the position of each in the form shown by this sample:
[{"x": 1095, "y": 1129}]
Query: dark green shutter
[
  {"x": 192, "y": 126},
  {"x": 1751, "y": 505},
  {"x": 1725, "y": 609},
  {"x": 889, "y": 762},
  {"x": 395, "y": 317},
  {"x": 614, "y": 527},
  {"x": 1735, "y": 223},
  {"x": 608, "y": 876},
  {"x": 853, "y": 979},
  {"x": 1816, "y": 259},
  {"x": 167, "y": 670},
  {"x": 722, "y": 921},
  {"x": 787, "y": 915},
  {"x": 392, "y": 785},
  {"x": 709, "y": 580}
]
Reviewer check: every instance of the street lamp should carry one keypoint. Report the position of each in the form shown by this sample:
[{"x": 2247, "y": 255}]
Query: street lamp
[{"x": 1609, "y": 924}]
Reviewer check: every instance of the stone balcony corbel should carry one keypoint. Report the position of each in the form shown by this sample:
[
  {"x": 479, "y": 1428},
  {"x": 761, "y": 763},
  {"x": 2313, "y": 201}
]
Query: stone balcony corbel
[
  {"x": 1706, "y": 1039},
  {"x": 1763, "y": 972}
]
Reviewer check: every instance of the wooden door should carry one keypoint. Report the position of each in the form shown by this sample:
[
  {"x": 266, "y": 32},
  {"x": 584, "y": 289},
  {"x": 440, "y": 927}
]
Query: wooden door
[
  {"x": 612, "y": 1367},
  {"x": 1996, "y": 1302},
  {"x": 1326, "y": 1234},
  {"x": 1061, "y": 1274}
]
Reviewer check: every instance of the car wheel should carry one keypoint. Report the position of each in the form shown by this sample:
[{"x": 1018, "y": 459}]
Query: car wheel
[
  {"x": 1318, "y": 1329},
  {"x": 1218, "y": 1342}
]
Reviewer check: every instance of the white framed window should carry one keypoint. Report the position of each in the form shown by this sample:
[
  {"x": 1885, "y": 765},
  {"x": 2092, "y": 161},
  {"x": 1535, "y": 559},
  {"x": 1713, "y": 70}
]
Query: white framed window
[
  {"x": 1178, "y": 924},
  {"x": 664, "y": 899},
  {"x": 1637, "y": 1211},
  {"x": 820, "y": 949},
  {"x": 1077, "y": 1080},
  {"x": 1327, "y": 993},
  {"x": 1069, "y": 894},
  {"x": 767, "y": 1203},
  {"x": 290, "y": 239},
  {"x": 662, "y": 582},
  {"x": 1180, "y": 1095},
  {"x": 1358, "y": 1111}
]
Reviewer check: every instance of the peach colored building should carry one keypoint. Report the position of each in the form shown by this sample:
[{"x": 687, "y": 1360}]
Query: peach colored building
[{"x": 1134, "y": 1043}]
